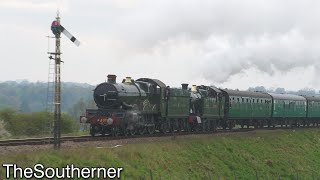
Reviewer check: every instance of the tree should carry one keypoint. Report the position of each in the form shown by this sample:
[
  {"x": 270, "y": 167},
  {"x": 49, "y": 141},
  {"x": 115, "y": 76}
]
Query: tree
[
  {"x": 306, "y": 92},
  {"x": 80, "y": 107},
  {"x": 32, "y": 97},
  {"x": 24, "y": 107},
  {"x": 280, "y": 91},
  {"x": 258, "y": 88}
]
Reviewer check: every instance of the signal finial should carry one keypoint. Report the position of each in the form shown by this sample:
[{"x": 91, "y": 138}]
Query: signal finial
[{"x": 58, "y": 12}]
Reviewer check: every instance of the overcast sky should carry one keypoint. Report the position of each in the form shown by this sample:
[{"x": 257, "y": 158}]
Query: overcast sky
[{"x": 227, "y": 43}]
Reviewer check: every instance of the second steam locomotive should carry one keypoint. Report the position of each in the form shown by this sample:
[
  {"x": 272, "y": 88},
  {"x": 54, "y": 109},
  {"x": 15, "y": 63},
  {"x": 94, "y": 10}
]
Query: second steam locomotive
[{"x": 148, "y": 106}]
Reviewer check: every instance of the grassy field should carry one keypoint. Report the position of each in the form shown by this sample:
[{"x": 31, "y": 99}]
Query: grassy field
[{"x": 289, "y": 154}]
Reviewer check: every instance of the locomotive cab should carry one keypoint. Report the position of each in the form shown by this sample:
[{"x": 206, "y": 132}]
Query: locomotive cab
[{"x": 155, "y": 91}]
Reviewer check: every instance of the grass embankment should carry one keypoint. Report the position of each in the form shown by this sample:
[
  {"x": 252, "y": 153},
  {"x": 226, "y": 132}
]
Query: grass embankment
[{"x": 267, "y": 154}]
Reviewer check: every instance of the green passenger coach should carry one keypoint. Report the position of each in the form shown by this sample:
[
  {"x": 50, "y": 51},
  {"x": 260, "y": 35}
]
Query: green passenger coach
[
  {"x": 288, "y": 109},
  {"x": 313, "y": 110},
  {"x": 246, "y": 108}
]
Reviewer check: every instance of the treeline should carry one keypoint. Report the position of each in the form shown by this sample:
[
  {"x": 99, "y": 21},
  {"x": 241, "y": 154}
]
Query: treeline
[
  {"x": 23, "y": 108},
  {"x": 304, "y": 91},
  {"x": 32, "y": 97}
]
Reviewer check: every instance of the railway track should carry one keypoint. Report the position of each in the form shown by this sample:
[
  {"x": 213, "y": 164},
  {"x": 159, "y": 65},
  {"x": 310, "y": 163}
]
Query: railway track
[
  {"x": 50, "y": 140},
  {"x": 38, "y": 141}
]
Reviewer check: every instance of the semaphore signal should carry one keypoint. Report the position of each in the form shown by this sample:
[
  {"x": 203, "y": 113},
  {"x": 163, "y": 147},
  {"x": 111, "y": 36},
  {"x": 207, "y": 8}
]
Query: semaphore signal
[{"x": 57, "y": 29}]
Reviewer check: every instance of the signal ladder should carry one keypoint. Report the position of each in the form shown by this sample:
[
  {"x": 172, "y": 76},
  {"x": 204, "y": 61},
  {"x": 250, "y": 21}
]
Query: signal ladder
[{"x": 48, "y": 125}]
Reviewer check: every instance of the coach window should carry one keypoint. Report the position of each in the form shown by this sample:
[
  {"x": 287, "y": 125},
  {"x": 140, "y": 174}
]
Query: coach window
[
  {"x": 242, "y": 99},
  {"x": 238, "y": 100}
]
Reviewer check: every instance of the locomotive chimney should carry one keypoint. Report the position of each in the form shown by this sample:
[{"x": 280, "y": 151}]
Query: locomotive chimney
[
  {"x": 185, "y": 86},
  {"x": 112, "y": 78},
  {"x": 128, "y": 80},
  {"x": 194, "y": 88}
]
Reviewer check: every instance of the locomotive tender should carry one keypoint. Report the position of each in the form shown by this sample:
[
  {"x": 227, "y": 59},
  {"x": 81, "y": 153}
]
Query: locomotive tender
[{"x": 148, "y": 105}]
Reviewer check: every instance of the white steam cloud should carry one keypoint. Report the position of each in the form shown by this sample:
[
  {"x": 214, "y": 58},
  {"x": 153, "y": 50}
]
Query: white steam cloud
[{"x": 216, "y": 40}]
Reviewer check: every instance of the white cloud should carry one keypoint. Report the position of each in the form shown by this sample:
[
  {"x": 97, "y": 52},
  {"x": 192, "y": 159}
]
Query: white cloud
[{"x": 228, "y": 43}]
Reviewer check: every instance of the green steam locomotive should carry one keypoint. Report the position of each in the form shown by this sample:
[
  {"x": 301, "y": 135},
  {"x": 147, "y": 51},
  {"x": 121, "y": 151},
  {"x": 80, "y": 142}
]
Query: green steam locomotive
[{"x": 147, "y": 106}]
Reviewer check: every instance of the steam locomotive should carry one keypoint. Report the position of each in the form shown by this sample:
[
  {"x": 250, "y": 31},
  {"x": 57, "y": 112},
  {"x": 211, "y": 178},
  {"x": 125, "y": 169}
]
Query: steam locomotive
[{"x": 147, "y": 106}]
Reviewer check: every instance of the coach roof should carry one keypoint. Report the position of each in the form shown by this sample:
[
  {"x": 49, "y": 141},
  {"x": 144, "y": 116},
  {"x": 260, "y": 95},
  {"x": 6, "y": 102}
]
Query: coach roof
[
  {"x": 312, "y": 98},
  {"x": 246, "y": 93},
  {"x": 287, "y": 97}
]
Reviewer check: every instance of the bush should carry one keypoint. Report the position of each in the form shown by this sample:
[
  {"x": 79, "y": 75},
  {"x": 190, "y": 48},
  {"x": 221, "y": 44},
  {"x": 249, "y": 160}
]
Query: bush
[
  {"x": 69, "y": 124},
  {"x": 3, "y": 132},
  {"x": 36, "y": 123}
]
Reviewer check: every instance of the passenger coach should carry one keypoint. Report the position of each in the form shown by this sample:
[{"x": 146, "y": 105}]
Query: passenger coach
[
  {"x": 288, "y": 109},
  {"x": 246, "y": 108},
  {"x": 313, "y": 111}
]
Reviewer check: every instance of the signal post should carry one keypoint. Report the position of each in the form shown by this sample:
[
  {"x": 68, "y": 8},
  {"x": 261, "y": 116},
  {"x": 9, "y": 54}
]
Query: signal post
[{"x": 57, "y": 29}]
